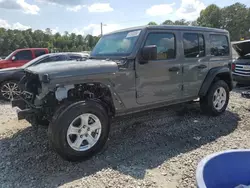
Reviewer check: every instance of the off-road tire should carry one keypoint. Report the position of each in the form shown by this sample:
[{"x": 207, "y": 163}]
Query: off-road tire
[
  {"x": 206, "y": 102},
  {"x": 57, "y": 131}
]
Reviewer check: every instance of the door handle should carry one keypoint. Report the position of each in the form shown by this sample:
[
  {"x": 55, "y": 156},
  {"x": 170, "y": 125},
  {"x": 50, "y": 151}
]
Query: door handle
[
  {"x": 201, "y": 66},
  {"x": 174, "y": 69}
]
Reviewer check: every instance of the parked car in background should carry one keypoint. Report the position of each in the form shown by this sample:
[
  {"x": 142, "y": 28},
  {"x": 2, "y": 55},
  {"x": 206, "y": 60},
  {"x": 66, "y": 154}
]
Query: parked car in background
[
  {"x": 241, "y": 62},
  {"x": 22, "y": 56},
  {"x": 10, "y": 77}
]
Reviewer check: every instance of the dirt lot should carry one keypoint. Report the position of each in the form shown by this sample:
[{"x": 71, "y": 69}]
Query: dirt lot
[{"x": 160, "y": 148}]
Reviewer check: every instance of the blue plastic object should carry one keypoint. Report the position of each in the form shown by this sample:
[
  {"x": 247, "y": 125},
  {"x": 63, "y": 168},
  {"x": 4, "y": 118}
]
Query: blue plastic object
[{"x": 226, "y": 169}]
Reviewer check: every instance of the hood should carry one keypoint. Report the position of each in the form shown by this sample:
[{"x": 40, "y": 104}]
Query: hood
[
  {"x": 242, "y": 47},
  {"x": 66, "y": 69},
  {"x": 10, "y": 69}
]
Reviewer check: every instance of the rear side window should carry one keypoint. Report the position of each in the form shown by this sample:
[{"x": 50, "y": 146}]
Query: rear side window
[
  {"x": 219, "y": 45},
  {"x": 165, "y": 43},
  {"x": 194, "y": 45},
  {"x": 54, "y": 58},
  {"x": 24, "y": 55},
  {"x": 74, "y": 57},
  {"x": 39, "y": 52}
]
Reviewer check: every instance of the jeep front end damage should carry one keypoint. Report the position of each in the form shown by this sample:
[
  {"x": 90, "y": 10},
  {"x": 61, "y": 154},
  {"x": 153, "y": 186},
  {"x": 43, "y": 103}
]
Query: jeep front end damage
[
  {"x": 27, "y": 106},
  {"x": 37, "y": 102}
]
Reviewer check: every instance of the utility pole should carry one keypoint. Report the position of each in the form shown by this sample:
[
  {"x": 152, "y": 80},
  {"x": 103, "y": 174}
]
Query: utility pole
[{"x": 101, "y": 28}]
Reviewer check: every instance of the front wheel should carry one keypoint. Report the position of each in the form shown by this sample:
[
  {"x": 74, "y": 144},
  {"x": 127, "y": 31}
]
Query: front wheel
[
  {"x": 80, "y": 130},
  {"x": 216, "y": 100}
]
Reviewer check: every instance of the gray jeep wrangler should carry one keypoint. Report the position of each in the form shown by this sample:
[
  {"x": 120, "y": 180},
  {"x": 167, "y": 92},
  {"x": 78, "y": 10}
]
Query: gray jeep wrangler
[{"x": 128, "y": 71}]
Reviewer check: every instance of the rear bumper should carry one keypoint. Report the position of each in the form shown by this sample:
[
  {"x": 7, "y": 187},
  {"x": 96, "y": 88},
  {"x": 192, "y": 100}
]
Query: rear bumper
[{"x": 21, "y": 110}]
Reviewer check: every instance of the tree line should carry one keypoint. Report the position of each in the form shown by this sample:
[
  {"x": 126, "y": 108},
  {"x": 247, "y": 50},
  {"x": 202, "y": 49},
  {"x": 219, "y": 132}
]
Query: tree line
[
  {"x": 234, "y": 18},
  {"x": 11, "y": 40}
]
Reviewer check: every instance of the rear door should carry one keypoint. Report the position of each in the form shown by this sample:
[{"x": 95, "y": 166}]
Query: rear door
[
  {"x": 161, "y": 79},
  {"x": 195, "y": 62}
]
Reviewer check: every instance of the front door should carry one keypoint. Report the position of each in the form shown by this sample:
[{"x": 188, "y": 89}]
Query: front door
[{"x": 161, "y": 79}]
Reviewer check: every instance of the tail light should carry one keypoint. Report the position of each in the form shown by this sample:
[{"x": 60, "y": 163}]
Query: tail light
[{"x": 233, "y": 67}]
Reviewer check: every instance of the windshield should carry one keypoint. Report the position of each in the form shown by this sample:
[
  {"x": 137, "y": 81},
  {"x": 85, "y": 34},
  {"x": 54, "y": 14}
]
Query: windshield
[
  {"x": 8, "y": 57},
  {"x": 34, "y": 61},
  {"x": 117, "y": 44}
]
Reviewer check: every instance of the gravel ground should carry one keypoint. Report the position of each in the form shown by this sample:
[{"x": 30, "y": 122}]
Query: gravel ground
[{"x": 159, "y": 148}]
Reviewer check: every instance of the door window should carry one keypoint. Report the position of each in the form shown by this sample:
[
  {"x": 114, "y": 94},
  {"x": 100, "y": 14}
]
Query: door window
[
  {"x": 194, "y": 45},
  {"x": 219, "y": 45},
  {"x": 74, "y": 57},
  {"x": 54, "y": 58},
  {"x": 165, "y": 43},
  {"x": 39, "y": 52},
  {"x": 24, "y": 55}
]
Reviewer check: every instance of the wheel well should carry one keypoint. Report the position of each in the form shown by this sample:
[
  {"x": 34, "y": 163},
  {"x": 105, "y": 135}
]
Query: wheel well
[
  {"x": 93, "y": 91},
  {"x": 225, "y": 77}
]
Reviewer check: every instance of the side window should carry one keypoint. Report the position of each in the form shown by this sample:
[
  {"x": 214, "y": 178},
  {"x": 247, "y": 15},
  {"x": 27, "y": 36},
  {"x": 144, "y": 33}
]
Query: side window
[
  {"x": 24, "y": 55},
  {"x": 73, "y": 57},
  {"x": 194, "y": 45},
  {"x": 39, "y": 52},
  {"x": 165, "y": 43},
  {"x": 54, "y": 58},
  {"x": 219, "y": 45}
]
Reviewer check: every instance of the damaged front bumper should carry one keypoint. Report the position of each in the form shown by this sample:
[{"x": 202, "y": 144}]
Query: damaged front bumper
[{"x": 22, "y": 111}]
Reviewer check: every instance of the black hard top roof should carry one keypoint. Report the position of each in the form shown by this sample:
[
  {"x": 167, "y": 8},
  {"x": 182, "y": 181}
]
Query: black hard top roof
[{"x": 174, "y": 27}]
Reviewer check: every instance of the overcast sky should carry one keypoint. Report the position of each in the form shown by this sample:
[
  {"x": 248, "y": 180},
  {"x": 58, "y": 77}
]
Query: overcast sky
[{"x": 84, "y": 16}]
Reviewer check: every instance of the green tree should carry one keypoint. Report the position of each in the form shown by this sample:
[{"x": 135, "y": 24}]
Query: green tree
[
  {"x": 152, "y": 23},
  {"x": 181, "y": 22},
  {"x": 210, "y": 17},
  {"x": 235, "y": 19},
  {"x": 168, "y": 22}
]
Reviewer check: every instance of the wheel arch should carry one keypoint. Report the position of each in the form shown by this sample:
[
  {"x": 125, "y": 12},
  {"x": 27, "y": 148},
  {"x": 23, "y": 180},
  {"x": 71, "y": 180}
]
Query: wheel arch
[
  {"x": 111, "y": 100},
  {"x": 9, "y": 79},
  {"x": 215, "y": 74}
]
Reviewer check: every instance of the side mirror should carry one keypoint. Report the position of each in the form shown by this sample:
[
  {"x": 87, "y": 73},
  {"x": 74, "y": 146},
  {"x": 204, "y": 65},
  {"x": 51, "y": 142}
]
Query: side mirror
[
  {"x": 13, "y": 58},
  {"x": 149, "y": 53}
]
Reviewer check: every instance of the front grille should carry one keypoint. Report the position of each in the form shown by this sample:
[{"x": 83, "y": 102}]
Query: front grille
[{"x": 242, "y": 70}]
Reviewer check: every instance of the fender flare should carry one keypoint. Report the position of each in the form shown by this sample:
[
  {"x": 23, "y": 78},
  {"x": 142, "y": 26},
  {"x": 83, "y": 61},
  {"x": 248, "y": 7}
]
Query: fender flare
[{"x": 211, "y": 75}]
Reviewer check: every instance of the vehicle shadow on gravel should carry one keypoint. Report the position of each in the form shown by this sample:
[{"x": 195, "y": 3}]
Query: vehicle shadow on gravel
[{"x": 137, "y": 143}]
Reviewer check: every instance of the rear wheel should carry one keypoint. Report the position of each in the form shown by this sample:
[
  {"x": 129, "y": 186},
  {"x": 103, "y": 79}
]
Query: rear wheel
[
  {"x": 80, "y": 130},
  {"x": 9, "y": 90},
  {"x": 216, "y": 100}
]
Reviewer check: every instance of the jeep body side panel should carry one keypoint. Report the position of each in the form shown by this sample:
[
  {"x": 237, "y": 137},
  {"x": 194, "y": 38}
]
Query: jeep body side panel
[{"x": 211, "y": 76}]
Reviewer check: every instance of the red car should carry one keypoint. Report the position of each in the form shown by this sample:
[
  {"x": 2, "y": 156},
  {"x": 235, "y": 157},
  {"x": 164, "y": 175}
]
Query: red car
[{"x": 21, "y": 56}]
